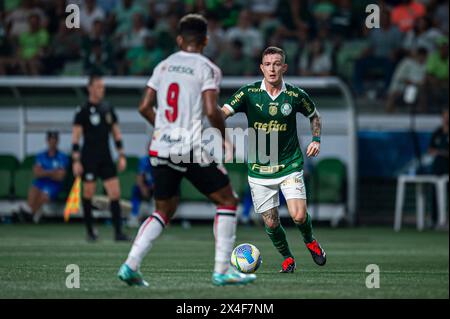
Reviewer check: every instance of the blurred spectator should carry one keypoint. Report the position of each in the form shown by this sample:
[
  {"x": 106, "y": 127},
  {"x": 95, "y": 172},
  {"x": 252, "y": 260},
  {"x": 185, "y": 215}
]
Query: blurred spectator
[
  {"x": 247, "y": 34},
  {"x": 66, "y": 46},
  {"x": 198, "y": 6},
  {"x": 178, "y": 8},
  {"x": 6, "y": 49},
  {"x": 439, "y": 150},
  {"x": 293, "y": 15},
  {"x": 272, "y": 30},
  {"x": 216, "y": 37},
  {"x": 343, "y": 21},
  {"x": 32, "y": 45},
  {"x": 322, "y": 11},
  {"x": 143, "y": 190},
  {"x": 263, "y": 9},
  {"x": 141, "y": 60},
  {"x": 410, "y": 71},
  {"x": 55, "y": 11},
  {"x": 229, "y": 13},
  {"x": 234, "y": 62},
  {"x": 405, "y": 14},
  {"x": 99, "y": 37},
  {"x": 160, "y": 8},
  {"x": 328, "y": 41},
  {"x": 135, "y": 36},
  {"x": 315, "y": 61},
  {"x": 18, "y": 19},
  {"x": 5, "y": 42},
  {"x": 381, "y": 53},
  {"x": 123, "y": 16},
  {"x": 440, "y": 17},
  {"x": 10, "y": 5},
  {"x": 108, "y": 5},
  {"x": 422, "y": 35},
  {"x": 89, "y": 13},
  {"x": 435, "y": 91},
  {"x": 439, "y": 146},
  {"x": 98, "y": 61},
  {"x": 167, "y": 31},
  {"x": 49, "y": 171}
]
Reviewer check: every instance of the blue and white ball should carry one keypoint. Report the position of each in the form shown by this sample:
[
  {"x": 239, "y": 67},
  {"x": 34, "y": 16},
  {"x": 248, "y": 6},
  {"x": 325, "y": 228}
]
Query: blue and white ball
[{"x": 246, "y": 258}]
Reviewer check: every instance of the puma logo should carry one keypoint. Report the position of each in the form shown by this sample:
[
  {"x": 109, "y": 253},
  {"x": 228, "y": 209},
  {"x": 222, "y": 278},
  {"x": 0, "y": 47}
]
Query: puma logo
[{"x": 260, "y": 106}]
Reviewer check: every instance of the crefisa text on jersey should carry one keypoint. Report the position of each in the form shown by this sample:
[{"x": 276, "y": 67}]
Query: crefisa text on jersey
[{"x": 238, "y": 308}]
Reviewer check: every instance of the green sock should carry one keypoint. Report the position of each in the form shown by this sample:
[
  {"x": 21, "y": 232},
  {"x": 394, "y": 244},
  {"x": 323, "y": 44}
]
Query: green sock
[
  {"x": 306, "y": 229},
  {"x": 278, "y": 238}
]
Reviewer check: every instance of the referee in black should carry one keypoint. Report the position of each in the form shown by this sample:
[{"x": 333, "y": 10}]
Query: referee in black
[{"x": 94, "y": 121}]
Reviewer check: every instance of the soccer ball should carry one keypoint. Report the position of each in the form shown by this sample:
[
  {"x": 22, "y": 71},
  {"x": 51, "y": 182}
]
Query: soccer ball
[{"x": 246, "y": 258}]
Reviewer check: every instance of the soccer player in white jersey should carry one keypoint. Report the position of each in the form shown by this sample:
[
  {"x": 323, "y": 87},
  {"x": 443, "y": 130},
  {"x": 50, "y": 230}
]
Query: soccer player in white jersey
[
  {"x": 185, "y": 87},
  {"x": 271, "y": 106}
]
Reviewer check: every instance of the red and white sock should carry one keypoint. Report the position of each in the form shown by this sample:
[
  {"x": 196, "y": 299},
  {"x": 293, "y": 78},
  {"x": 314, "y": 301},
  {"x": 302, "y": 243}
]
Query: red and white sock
[
  {"x": 148, "y": 232},
  {"x": 225, "y": 235}
]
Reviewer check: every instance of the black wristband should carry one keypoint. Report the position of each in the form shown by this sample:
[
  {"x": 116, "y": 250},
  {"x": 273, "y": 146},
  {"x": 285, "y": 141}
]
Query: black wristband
[
  {"x": 75, "y": 147},
  {"x": 119, "y": 144}
]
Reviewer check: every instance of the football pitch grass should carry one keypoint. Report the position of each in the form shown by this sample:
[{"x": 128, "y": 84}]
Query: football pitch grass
[{"x": 33, "y": 260}]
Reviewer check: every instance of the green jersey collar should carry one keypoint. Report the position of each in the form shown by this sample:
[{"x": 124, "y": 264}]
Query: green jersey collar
[{"x": 263, "y": 87}]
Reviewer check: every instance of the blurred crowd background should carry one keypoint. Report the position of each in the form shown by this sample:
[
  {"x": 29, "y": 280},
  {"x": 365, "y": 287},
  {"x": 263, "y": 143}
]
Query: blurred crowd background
[{"x": 321, "y": 38}]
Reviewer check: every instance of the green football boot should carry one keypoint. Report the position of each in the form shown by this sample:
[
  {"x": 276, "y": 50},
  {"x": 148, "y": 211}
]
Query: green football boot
[
  {"x": 232, "y": 277},
  {"x": 132, "y": 278}
]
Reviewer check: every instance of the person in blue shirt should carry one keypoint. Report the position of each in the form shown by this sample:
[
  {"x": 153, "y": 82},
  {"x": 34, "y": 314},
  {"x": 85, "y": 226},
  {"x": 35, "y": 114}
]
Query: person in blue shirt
[
  {"x": 142, "y": 190},
  {"x": 49, "y": 171}
]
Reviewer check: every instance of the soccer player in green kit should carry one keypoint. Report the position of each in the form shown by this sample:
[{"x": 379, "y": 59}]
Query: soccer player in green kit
[{"x": 271, "y": 106}]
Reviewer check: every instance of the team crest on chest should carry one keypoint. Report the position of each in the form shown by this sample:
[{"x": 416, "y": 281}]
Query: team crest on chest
[
  {"x": 95, "y": 119},
  {"x": 286, "y": 109},
  {"x": 273, "y": 109}
]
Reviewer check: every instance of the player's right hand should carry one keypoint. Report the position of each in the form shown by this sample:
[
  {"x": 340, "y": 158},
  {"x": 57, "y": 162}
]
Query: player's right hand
[{"x": 77, "y": 169}]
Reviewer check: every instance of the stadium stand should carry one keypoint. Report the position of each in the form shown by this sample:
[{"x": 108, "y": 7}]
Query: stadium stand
[
  {"x": 8, "y": 166},
  {"x": 8, "y": 162},
  {"x": 28, "y": 162},
  {"x": 22, "y": 181},
  {"x": 132, "y": 163},
  {"x": 127, "y": 179},
  {"x": 5, "y": 183},
  {"x": 328, "y": 181},
  {"x": 120, "y": 29}
]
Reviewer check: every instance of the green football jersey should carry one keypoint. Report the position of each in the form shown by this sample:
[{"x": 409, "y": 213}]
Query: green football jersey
[{"x": 266, "y": 115}]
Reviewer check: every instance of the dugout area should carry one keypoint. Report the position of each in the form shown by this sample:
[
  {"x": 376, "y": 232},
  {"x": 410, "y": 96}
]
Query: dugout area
[{"x": 28, "y": 109}]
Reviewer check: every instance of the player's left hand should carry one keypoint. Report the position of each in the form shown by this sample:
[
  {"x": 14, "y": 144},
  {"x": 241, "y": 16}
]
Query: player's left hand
[
  {"x": 122, "y": 165},
  {"x": 313, "y": 149},
  {"x": 229, "y": 150}
]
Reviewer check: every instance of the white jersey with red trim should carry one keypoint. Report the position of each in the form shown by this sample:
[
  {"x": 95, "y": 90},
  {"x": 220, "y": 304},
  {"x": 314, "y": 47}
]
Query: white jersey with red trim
[{"x": 179, "y": 81}]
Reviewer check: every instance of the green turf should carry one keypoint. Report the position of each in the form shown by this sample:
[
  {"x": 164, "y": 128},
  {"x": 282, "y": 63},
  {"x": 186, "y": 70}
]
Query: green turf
[{"x": 33, "y": 260}]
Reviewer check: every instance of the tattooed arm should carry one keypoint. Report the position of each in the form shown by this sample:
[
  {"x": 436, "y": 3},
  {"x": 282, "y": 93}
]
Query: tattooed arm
[{"x": 316, "y": 129}]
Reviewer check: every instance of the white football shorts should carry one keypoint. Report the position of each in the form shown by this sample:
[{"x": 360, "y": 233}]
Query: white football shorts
[{"x": 265, "y": 192}]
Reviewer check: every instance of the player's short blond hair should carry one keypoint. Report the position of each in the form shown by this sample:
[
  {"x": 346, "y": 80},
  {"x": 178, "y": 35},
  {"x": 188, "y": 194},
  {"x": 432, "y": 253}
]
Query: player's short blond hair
[{"x": 274, "y": 50}]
